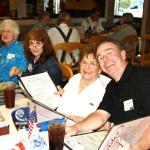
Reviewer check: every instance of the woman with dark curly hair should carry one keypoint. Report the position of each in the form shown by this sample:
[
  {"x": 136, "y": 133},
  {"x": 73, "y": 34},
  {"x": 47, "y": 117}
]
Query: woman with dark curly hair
[{"x": 41, "y": 56}]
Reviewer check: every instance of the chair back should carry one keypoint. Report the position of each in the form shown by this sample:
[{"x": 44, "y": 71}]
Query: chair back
[
  {"x": 66, "y": 71},
  {"x": 145, "y": 49},
  {"x": 69, "y": 47},
  {"x": 96, "y": 39},
  {"x": 131, "y": 42}
]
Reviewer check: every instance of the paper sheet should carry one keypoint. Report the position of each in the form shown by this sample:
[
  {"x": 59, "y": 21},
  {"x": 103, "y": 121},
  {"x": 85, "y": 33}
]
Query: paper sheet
[
  {"x": 41, "y": 88},
  {"x": 129, "y": 131},
  {"x": 87, "y": 141}
]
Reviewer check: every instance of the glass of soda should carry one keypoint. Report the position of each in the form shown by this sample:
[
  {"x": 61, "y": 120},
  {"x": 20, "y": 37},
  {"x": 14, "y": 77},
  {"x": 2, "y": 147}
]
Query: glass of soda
[
  {"x": 56, "y": 133},
  {"x": 9, "y": 94}
]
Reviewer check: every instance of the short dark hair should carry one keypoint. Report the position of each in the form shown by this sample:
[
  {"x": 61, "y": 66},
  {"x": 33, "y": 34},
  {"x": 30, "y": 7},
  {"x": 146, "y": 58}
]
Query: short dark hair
[
  {"x": 43, "y": 14},
  {"x": 64, "y": 17},
  {"x": 118, "y": 43},
  {"x": 95, "y": 10},
  {"x": 128, "y": 18}
]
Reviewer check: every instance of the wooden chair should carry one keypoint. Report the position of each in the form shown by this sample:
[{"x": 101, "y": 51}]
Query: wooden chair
[
  {"x": 94, "y": 40},
  {"x": 131, "y": 42},
  {"x": 66, "y": 71},
  {"x": 69, "y": 47},
  {"x": 145, "y": 49}
]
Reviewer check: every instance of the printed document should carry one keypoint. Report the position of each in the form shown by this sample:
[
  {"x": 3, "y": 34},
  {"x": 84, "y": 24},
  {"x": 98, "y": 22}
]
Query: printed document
[
  {"x": 40, "y": 88},
  {"x": 130, "y": 131},
  {"x": 86, "y": 141}
]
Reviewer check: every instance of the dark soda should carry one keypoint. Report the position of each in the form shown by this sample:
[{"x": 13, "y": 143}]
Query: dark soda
[
  {"x": 56, "y": 134},
  {"x": 9, "y": 97}
]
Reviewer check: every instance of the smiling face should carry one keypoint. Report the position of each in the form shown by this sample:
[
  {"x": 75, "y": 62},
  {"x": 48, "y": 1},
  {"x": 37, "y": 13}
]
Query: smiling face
[
  {"x": 36, "y": 48},
  {"x": 112, "y": 60},
  {"x": 89, "y": 68},
  {"x": 7, "y": 35}
]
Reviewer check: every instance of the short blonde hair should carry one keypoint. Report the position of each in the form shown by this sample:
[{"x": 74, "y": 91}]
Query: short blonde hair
[{"x": 13, "y": 24}]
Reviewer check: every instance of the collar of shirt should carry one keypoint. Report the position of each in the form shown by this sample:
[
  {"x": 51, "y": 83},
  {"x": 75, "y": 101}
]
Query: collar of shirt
[
  {"x": 11, "y": 44},
  {"x": 92, "y": 23},
  {"x": 125, "y": 76},
  {"x": 63, "y": 25}
]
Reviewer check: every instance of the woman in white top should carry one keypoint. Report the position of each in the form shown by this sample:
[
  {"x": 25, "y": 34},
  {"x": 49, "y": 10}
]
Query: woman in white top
[{"x": 84, "y": 91}]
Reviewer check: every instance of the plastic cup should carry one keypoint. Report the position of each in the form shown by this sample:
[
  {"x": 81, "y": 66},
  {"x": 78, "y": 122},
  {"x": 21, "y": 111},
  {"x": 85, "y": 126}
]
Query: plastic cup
[
  {"x": 56, "y": 133},
  {"x": 9, "y": 94}
]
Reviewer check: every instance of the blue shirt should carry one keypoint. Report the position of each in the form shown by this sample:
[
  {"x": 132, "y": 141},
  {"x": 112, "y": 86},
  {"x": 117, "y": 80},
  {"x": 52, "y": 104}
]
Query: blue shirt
[{"x": 11, "y": 56}]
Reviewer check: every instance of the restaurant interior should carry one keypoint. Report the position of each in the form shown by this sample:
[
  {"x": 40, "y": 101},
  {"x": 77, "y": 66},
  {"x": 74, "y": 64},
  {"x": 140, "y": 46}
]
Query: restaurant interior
[{"x": 26, "y": 13}]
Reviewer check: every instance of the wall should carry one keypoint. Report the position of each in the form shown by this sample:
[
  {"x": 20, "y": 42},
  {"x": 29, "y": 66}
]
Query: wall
[
  {"x": 145, "y": 29},
  {"x": 80, "y": 5},
  {"x": 19, "y": 6}
]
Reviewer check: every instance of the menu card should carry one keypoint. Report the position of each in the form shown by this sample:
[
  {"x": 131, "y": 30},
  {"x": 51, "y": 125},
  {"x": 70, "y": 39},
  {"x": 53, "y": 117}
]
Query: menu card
[
  {"x": 130, "y": 131},
  {"x": 86, "y": 141},
  {"x": 40, "y": 88}
]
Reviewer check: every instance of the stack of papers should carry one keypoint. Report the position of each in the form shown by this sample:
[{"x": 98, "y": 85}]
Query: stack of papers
[
  {"x": 1, "y": 97},
  {"x": 2, "y": 85}
]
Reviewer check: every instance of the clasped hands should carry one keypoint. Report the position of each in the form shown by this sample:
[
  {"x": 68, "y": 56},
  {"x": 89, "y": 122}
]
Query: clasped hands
[{"x": 15, "y": 72}]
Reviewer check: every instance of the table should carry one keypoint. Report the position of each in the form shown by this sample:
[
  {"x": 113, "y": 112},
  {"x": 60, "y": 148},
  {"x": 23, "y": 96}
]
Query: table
[
  {"x": 14, "y": 136},
  {"x": 44, "y": 115}
]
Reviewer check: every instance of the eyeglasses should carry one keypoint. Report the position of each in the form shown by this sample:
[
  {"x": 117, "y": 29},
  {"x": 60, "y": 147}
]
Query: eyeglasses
[
  {"x": 91, "y": 64},
  {"x": 7, "y": 31},
  {"x": 36, "y": 44}
]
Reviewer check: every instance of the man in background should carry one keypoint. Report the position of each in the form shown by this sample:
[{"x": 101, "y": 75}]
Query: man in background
[
  {"x": 93, "y": 24},
  {"x": 44, "y": 19}
]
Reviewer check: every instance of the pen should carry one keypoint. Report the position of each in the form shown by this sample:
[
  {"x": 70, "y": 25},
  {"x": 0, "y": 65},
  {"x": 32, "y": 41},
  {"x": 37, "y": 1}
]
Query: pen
[{"x": 59, "y": 90}]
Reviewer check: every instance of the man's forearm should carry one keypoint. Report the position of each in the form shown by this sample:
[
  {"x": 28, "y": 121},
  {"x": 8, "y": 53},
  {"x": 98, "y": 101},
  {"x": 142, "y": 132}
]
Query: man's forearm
[{"x": 92, "y": 122}]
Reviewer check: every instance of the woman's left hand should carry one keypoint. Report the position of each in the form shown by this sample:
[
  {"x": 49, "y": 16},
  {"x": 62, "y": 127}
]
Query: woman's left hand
[{"x": 15, "y": 72}]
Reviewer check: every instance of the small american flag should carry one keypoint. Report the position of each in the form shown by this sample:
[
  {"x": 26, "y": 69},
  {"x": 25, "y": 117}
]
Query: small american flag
[
  {"x": 30, "y": 127},
  {"x": 32, "y": 122}
]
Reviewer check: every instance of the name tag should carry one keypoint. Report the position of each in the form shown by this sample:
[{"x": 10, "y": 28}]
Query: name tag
[
  {"x": 128, "y": 105},
  {"x": 10, "y": 56}
]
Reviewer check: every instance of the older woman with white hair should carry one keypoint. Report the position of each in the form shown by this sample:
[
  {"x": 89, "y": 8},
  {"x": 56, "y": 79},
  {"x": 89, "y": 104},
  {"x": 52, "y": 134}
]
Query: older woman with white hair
[{"x": 12, "y": 51}]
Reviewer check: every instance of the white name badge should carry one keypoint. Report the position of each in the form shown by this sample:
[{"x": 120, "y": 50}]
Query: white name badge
[
  {"x": 10, "y": 56},
  {"x": 128, "y": 105}
]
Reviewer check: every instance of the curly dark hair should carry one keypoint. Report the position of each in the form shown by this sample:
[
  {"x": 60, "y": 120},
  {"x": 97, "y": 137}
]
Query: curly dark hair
[
  {"x": 39, "y": 34},
  {"x": 86, "y": 52}
]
